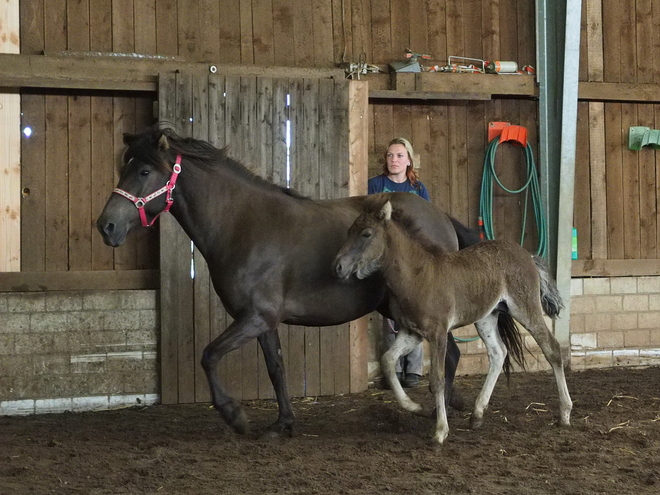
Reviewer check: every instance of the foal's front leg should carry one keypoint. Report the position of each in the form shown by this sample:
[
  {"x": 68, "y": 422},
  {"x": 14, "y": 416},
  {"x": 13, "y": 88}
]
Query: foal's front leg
[
  {"x": 438, "y": 344},
  {"x": 236, "y": 335},
  {"x": 404, "y": 343}
]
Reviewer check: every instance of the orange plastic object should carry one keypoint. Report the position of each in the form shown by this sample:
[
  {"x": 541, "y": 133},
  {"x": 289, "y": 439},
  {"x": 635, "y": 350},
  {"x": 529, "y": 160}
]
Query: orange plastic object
[
  {"x": 495, "y": 129},
  {"x": 507, "y": 132}
]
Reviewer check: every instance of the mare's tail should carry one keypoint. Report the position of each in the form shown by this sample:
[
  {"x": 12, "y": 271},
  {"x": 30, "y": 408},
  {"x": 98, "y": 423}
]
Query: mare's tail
[
  {"x": 550, "y": 298},
  {"x": 466, "y": 235}
]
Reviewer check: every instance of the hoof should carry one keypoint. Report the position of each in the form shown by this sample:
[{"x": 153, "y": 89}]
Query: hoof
[
  {"x": 277, "y": 431},
  {"x": 475, "y": 423},
  {"x": 456, "y": 401},
  {"x": 235, "y": 418},
  {"x": 434, "y": 446}
]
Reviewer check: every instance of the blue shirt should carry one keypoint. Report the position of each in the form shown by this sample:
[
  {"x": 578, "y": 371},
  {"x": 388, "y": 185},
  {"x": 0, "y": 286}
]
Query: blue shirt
[{"x": 383, "y": 184}]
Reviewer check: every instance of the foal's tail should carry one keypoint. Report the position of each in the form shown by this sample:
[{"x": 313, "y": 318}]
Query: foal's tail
[
  {"x": 550, "y": 298},
  {"x": 513, "y": 341}
]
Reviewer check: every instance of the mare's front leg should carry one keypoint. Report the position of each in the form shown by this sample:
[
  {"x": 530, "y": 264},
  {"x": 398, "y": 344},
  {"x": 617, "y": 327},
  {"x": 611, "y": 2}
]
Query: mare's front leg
[
  {"x": 404, "y": 343},
  {"x": 236, "y": 335},
  {"x": 270, "y": 345}
]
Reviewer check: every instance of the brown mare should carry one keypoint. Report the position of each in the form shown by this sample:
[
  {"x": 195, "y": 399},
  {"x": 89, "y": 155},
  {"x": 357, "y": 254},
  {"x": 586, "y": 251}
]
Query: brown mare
[
  {"x": 268, "y": 249},
  {"x": 434, "y": 292}
]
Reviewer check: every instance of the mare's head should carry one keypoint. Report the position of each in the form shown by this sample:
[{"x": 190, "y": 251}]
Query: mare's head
[
  {"x": 148, "y": 166},
  {"x": 363, "y": 250}
]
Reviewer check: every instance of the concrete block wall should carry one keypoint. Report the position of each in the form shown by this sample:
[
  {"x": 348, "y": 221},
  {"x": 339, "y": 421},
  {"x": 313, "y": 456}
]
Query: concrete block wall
[
  {"x": 77, "y": 350},
  {"x": 615, "y": 322}
]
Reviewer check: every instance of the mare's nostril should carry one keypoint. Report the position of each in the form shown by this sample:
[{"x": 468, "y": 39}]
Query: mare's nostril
[{"x": 109, "y": 228}]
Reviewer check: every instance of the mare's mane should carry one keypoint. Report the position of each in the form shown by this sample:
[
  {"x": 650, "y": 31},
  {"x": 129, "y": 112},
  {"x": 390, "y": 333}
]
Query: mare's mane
[
  {"x": 203, "y": 154},
  {"x": 374, "y": 203}
]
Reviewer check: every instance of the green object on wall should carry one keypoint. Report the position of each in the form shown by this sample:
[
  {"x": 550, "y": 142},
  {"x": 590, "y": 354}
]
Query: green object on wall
[{"x": 641, "y": 136}]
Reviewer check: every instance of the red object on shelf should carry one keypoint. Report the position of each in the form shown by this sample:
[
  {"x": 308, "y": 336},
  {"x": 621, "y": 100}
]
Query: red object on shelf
[{"x": 507, "y": 132}]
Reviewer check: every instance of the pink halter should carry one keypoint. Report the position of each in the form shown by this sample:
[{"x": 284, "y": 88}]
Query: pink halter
[{"x": 167, "y": 188}]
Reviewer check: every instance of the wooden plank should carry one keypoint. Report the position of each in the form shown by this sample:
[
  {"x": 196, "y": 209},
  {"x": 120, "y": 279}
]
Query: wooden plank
[
  {"x": 123, "y": 26},
  {"x": 209, "y": 24},
  {"x": 615, "y": 268},
  {"x": 360, "y": 14},
  {"x": 125, "y": 73},
  {"x": 613, "y": 172},
  {"x": 419, "y": 27},
  {"x": 400, "y": 29},
  {"x": 476, "y": 142},
  {"x": 145, "y": 27},
  {"x": 166, "y": 26},
  {"x": 283, "y": 32},
  {"x": 201, "y": 282},
  {"x": 489, "y": 84},
  {"x": 648, "y": 188},
  {"x": 358, "y": 137},
  {"x": 32, "y": 27},
  {"x": 57, "y": 160},
  {"x": 630, "y": 191},
  {"x": 490, "y": 29},
  {"x": 341, "y": 30},
  {"x": 10, "y": 155},
  {"x": 103, "y": 166},
  {"x": 188, "y": 15},
  {"x": 33, "y": 185},
  {"x": 327, "y": 360},
  {"x": 458, "y": 159},
  {"x": 55, "y": 30},
  {"x": 390, "y": 94},
  {"x": 588, "y": 174},
  {"x": 180, "y": 269},
  {"x": 168, "y": 282},
  {"x": 509, "y": 31},
  {"x": 440, "y": 180},
  {"x": 436, "y": 11},
  {"x": 594, "y": 37},
  {"x": 79, "y": 184},
  {"x": 77, "y": 18},
  {"x": 295, "y": 363},
  {"x": 381, "y": 35},
  {"x": 246, "y": 33},
  {"x": 303, "y": 41},
  {"x": 611, "y": 29},
  {"x": 263, "y": 32},
  {"x": 69, "y": 280},
  {"x": 607, "y": 91},
  {"x": 598, "y": 182},
  {"x": 323, "y": 42}
]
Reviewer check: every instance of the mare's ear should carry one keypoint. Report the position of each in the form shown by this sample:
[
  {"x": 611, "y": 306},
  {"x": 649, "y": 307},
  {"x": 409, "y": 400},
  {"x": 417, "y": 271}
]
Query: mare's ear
[
  {"x": 163, "y": 144},
  {"x": 129, "y": 138},
  {"x": 385, "y": 212}
]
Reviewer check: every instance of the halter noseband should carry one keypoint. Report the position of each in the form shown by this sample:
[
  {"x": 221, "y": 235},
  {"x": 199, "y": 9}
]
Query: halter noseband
[{"x": 167, "y": 188}]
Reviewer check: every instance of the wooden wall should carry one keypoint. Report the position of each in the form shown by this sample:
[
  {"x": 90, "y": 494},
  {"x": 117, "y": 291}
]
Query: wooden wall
[
  {"x": 449, "y": 136},
  {"x": 616, "y": 189}
]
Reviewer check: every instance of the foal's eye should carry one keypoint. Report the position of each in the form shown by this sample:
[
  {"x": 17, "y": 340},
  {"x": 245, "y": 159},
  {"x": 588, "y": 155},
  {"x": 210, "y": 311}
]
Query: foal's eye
[
  {"x": 366, "y": 234},
  {"x": 144, "y": 173}
]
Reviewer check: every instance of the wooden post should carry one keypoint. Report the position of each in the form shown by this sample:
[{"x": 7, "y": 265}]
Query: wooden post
[
  {"x": 358, "y": 138},
  {"x": 10, "y": 149}
]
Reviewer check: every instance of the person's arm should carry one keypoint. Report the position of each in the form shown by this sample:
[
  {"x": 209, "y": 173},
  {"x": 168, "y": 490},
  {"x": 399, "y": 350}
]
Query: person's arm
[
  {"x": 373, "y": 186},
  {"x": 423, "y": 192}
]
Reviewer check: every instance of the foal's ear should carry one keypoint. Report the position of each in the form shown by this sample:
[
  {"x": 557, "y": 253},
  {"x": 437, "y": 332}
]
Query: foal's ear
[
  {"x": 163, "y": 144},
  {"x": 385, "y": 212}
]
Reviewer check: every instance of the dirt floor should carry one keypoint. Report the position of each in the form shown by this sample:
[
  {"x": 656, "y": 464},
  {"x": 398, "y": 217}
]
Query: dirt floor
[{"x": 358, "y": 444}]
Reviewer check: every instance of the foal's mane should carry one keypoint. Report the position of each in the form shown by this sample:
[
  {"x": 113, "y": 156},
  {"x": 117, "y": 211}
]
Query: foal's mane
[
  {"x": 202, "y": 153},
  {"x": 373, "y": 205}
]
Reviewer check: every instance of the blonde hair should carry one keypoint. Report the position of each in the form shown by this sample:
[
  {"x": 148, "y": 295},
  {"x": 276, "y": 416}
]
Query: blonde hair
[{"x": 411, "y": 173}]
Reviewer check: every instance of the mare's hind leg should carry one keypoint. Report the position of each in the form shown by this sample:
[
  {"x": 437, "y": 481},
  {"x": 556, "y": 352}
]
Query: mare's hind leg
[
  {"x": 487, "y": 329},
  {"x": 528, "y": 312},
  {"x": 404, "y": 343},
  {"x": 235, "y": 336},
  {"x": 270, "y": 345}
]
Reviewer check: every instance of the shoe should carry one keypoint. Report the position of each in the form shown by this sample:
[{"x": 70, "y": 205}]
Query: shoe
[
  {"x": 411, "y": 380},
  {"x": 385, "y": 383}
]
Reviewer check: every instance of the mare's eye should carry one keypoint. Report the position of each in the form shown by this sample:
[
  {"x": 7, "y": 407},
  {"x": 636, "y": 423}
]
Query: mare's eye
[
  {"x": 144, "y": 173},
  {"x": 366, "y": 234}
]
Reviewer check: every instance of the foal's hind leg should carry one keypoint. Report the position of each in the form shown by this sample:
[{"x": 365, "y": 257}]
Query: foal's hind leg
[
  {"x": 437, "y": 381},
  {"x": 487, "y": 329},
  {"x": 404, "y": 343},
  {"x": 529, "y": 314}
]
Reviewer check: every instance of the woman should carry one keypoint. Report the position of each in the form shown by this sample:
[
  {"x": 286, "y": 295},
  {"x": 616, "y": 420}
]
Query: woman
[{"x": 399, "y": 175}]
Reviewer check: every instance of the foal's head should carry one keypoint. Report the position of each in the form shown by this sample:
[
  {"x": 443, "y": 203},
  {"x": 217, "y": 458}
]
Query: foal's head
[{"x": 363, "y": 250}]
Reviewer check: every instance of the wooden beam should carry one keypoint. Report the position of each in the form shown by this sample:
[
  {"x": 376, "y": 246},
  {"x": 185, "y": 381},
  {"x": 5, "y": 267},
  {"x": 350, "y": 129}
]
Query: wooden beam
[
  {"x": 101, "y": 71},
  {"x": 392, "y": 94},
  {"x": 98, "y": 280},
  {"x": 603, "y": 91},
  {"x": 488, "y": 84},
  {"x": 615, "y": 268},
  {"x": 10, "y": 151},
  {"x": 358, "y": 159}
]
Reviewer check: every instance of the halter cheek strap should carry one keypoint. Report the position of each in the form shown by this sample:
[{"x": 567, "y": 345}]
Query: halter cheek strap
[{"x": 166, "y": 189}]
